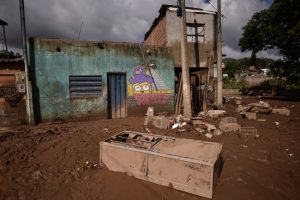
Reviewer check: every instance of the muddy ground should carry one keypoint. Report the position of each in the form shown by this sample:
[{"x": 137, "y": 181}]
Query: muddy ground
[{"x": 49, "y": 161}]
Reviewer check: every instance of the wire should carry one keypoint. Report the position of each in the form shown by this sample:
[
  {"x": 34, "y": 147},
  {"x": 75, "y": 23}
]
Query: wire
[{"x": 209, "y": 1}]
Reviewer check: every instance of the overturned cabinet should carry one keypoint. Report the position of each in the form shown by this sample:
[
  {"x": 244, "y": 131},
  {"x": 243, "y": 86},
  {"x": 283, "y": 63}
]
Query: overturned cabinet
[{"x": 189, "y": 165}]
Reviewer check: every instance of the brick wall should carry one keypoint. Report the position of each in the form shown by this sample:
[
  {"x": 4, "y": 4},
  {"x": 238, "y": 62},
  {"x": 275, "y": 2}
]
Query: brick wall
[{"x": 158, "y": 35}]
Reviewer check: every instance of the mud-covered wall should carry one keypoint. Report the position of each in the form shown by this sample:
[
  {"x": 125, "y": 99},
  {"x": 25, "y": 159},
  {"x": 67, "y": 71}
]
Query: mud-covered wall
[
  {"x": 52, "y": 61},
  {"x": 197, "y": 53}
]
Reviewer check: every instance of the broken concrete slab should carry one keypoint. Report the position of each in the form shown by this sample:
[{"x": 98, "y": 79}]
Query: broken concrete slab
[
  {"x": 212, "y": 113},
  {"x": 161, "y": 122},
  {"x": 228, "y": 124},
  {"x": 208, "y": 135},
  {"x": 250, "y": 116},
  {"x": 215, "y": 113},
  {"x": 149, "y": 116},
  {"x": 248, "y": 132},
  {"x": 217, "y": 132},
  {"x": 210, "y": 127},
  {"x": 281, "y": 111},
  {"x": 261, "y": 110}
]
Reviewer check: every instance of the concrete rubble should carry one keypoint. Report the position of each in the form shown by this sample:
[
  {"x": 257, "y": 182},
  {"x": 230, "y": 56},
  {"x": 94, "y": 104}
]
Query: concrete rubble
[
  {"x": 161, "y": 122},
  {"x": 281, "y": 111},
  {"x": 149, "y": 116},
  {"x": 228, "y": 124},
  {"x": 249, "y": 111},
  {"x": 212, "y": 113}
]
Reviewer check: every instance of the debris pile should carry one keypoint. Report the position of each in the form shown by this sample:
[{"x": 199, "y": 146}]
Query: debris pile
[
  {"x": 228, "y": 124},
  {"x": 249, "y": 111}
]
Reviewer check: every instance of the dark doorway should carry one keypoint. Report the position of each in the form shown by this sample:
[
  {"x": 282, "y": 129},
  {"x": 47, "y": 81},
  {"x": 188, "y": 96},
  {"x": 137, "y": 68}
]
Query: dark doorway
[{"x": 116, "y": 91}]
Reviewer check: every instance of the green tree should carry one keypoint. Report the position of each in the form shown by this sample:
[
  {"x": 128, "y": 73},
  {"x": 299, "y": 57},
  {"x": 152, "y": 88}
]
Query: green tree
[{"x": 276, "y": 28}]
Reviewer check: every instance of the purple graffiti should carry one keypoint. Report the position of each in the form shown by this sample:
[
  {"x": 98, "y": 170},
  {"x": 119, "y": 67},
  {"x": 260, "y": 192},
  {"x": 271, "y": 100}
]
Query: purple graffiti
[{"x": 140, "y": 76}]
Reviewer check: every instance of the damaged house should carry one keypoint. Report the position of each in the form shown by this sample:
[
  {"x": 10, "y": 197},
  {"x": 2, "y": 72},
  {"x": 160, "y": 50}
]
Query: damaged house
[
  {"x": 72, "y": 79},
  {"x": 202, "y": 46}
]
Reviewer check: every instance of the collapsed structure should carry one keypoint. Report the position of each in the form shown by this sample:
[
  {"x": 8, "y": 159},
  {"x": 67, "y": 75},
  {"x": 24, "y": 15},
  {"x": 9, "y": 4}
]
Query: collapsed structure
[{"x": 202, "y": 48}]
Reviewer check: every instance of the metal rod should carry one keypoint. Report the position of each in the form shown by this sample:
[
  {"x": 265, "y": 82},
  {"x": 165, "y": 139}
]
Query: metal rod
[
  {"x": 147, "y": 65},
  {"x": 24, "y": 40},
  {"x": 80, "y": 30}
]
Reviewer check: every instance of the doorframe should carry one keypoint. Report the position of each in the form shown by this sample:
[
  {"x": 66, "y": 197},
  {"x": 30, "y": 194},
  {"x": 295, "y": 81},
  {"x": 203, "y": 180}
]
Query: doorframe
[{"x": 109, "y": 109}]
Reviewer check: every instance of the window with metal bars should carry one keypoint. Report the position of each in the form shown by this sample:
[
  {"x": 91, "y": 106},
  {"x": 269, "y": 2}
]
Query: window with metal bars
[{"x": 85, "y": 86}]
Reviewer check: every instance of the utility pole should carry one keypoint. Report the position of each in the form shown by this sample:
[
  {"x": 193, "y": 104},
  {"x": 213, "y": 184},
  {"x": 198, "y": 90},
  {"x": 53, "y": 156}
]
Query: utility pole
[
  {"x": 219, "y": 53},
  {"x": 25, "y": 55},
  {"x": 3, "y": 24},
  {"x": 186, "y": 89}
]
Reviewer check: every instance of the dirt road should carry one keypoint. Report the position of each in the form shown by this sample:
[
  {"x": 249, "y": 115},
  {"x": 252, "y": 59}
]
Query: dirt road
[{"x": 60, "y": 160}]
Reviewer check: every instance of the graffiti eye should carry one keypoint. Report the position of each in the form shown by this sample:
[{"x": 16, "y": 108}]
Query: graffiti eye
[
  {"x": 145, "y": 87},
  {"x": 137, "y": 88}
]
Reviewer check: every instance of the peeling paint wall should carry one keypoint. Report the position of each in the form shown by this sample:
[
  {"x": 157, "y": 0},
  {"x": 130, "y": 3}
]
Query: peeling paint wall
[{"x": 53, "y": 61}]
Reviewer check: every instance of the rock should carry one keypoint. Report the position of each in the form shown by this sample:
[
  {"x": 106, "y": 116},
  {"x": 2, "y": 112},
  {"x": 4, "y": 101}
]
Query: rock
[
  {"x": 261, "y": 120},
  {"x": 240, "y": 108},
  {"x": 208, "y": 135},
  {"x": 202, "y": 114},
  {"x": 260, "y": 107},
  {"x": 281, "y": 111},
  {"x": 215, "y": 113},
  {"x": 211, "y": 128},
  {"x": 186, "y": 119},
  {"x": 228, "y": 124},
  {"x": 161, "y": 122},
  {"x": 251, "y": 116},
  {"x": 200, "y": 130},
  {"x": 197, "y": 122},
  {"x": 106, "y": 130},
  {"x": 179, "y": 118},
  {"x": 238, "y": 102},
  {"x": 261, "y": 110},
  {"x": 217, "y": 132}
]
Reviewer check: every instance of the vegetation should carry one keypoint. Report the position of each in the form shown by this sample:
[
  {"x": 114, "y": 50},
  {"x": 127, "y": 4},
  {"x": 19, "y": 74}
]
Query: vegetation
[{"x": 276, "y": 28}]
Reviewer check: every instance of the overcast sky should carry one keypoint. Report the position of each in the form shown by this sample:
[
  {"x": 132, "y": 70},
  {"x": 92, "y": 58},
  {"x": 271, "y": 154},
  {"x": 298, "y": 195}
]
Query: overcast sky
[{"x": 116, "y": 20}]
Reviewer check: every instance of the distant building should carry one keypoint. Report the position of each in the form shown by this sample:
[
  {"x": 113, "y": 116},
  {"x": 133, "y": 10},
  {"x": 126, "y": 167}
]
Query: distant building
[{"x": 12, "y": 88}]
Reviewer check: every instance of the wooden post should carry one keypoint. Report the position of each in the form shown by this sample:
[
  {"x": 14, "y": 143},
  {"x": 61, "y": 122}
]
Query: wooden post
[
  {"x": 187, "y": 110},
  {"x": 219, "y": 61}
]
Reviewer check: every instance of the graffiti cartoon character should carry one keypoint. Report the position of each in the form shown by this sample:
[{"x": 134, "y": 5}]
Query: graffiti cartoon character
[{"x": 141, "y": 82}]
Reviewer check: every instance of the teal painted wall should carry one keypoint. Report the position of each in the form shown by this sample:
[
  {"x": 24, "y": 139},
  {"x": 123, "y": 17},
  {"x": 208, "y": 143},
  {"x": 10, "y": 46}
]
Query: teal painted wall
[{"x": 52, "y": 61}]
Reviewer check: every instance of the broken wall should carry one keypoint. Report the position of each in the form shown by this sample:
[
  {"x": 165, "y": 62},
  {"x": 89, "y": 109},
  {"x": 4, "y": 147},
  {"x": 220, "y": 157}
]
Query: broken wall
[{"x": 198, "y": 52}]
